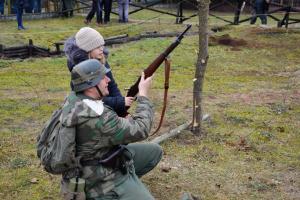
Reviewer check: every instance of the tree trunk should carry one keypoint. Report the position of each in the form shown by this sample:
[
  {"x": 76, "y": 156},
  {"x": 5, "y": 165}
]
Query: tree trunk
[{"x": 203, "y": 9}]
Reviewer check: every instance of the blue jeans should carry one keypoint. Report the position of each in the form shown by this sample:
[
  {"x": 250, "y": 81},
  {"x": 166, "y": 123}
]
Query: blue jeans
[
  {"x": 96, "y": 8},
  {"x": 36, "y": 6},
  {"x": 2, "y": 7},
  {"x": 19, "y": 16},
  {"x": 33, "y": 6},
  {"x": 123, "y": 10}
]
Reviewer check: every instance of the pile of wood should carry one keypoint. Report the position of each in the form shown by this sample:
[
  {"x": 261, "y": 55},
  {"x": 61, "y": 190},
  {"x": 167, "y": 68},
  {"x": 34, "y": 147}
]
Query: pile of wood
[{"x": 26, "y": 51}]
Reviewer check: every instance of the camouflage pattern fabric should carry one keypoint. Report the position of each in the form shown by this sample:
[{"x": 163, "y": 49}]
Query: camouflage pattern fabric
[
  {"x": 97, "y": 133},
  {"x": 56, "y": 146},
  {"x": 68, "y": 193},
  {"x": 131, "y": 189}
]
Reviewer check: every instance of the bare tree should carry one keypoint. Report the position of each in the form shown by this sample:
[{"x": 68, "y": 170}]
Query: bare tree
[{"x": 203, "y": 9}]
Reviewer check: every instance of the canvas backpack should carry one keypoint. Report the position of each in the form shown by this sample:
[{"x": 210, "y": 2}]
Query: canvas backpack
[{"x": 56, "y": 145}]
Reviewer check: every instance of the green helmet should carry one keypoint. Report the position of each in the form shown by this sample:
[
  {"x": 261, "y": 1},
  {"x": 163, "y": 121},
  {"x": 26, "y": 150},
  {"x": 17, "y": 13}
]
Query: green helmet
[{"x": 87, "y": 74}]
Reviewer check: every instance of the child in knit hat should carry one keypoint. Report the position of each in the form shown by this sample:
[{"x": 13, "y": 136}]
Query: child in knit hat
[{"x": 89, "y": 44}]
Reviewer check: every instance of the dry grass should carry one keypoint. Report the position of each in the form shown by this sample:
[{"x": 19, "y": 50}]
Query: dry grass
[{"x": 250, "y": 146}]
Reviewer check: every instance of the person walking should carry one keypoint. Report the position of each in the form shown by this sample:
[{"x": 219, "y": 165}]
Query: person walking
[
  {"x": 123, "y": 8},
  {"x": 89, "y": 43},
  {"x": 111, "y": 161},
  {"x": 97, "y": 6},
  {"x": 260, "y": 10},
  {"x": 19, "y": 8},
  {"x": 67, "y": 8}
]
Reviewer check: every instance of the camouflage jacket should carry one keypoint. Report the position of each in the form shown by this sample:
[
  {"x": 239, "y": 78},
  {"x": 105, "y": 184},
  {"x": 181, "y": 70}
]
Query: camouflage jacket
[{"x": 98, "y": 129}]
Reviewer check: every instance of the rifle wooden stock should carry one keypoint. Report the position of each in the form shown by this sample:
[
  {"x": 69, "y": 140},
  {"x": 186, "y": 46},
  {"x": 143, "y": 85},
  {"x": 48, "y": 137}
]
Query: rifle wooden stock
[{"x": 134, "y": 89}]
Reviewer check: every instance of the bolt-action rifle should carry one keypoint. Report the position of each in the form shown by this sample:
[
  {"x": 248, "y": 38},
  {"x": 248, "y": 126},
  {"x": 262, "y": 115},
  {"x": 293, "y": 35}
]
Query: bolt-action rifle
[{"x": 134, "y": 89}]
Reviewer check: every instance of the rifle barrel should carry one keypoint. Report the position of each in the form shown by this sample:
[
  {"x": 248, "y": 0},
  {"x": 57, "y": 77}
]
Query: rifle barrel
[{"x": 156, "y": 63}]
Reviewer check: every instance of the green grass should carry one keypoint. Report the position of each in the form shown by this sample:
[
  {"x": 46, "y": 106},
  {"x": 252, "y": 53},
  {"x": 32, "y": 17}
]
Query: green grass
[{"x": 251, "y": 145}]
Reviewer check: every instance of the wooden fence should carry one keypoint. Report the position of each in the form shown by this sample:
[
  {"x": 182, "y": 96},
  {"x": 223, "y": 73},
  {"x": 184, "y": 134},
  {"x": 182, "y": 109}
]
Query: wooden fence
[
  {"x": 31, "y": 50},
  {"x": 26, "y": 51},
  {"x": 293, "y": 3}
]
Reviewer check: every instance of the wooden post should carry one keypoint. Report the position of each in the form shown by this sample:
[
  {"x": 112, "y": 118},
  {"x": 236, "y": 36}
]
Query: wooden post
[
  {"x": 57, "y": 45},
  {"x": 30, "y": 48},
  {"x": 1, "y": 49},
  {"x": 179, "y": 13},
  {"x": 47, "y": 4},
  {"x": 287, "y": 17},
  {"x": 238, "y": 12},
  {"x": 9, "y": 7}
]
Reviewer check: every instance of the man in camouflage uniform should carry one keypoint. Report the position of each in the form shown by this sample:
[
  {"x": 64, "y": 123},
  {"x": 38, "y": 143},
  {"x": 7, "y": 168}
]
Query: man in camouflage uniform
[{"x": 99, "y": 130}]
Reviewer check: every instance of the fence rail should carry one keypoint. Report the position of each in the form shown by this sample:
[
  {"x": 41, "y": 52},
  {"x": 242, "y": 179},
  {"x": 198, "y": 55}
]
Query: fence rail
[
  {"x": 293, "y": 3},
  {"x": 26, "y": 51}
]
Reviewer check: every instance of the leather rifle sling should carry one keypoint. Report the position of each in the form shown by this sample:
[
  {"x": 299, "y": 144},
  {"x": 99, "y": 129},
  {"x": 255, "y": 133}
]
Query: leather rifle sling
[{"x": 167, "y": 75}]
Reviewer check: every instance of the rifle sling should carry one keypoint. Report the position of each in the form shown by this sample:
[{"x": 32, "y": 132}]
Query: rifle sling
[{"x": 167, "y": 75}]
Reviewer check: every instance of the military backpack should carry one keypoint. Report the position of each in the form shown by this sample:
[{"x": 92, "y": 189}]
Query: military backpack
[{"x": 56, "y": 145}]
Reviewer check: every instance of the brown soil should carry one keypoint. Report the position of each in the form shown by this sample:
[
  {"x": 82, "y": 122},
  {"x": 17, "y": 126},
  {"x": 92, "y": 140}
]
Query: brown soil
[
  {"x": 228, "y": 41},
  {"x": 266, "y": 97}
]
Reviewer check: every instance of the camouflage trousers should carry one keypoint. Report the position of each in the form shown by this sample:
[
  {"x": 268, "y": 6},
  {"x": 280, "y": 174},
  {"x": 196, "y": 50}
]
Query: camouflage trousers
[{"x": 145, "y": 157}]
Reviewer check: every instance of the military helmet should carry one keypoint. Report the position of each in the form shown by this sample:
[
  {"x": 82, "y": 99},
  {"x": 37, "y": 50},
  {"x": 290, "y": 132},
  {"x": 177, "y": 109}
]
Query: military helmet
[{"x": 87, "y": 74}]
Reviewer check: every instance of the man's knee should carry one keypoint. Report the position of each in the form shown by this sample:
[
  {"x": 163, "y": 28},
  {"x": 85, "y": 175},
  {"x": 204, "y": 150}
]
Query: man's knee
[{"x": 158, "y": 151}]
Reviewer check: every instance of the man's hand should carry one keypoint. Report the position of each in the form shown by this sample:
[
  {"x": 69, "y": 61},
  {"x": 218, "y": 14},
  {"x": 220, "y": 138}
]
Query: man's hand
[
  {"x": 128, "y": 101},
  {"x": 144, "y": 85}
]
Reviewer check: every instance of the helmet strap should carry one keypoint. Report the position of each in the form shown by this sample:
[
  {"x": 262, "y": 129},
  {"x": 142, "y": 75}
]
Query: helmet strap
[{"x": 99, "y": 91}]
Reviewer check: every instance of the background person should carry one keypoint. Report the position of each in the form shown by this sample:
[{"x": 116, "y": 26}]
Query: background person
[
  {"x": 123, "y": 8},
  {"x": 2, "y": 7},
  {"x": 19, "y": 10},
  {"x": 67, "y": 8},
  {"x": 107, "y": 10},
  {"x": 260, "y": 10},
  {"x": 36, "y": 7},
  {"x": 96, "y": 8}
]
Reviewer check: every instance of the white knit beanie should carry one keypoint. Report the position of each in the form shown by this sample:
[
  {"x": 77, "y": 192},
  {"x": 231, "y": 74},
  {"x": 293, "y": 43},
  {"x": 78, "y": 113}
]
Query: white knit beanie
[{"x": 88, "y": 39}]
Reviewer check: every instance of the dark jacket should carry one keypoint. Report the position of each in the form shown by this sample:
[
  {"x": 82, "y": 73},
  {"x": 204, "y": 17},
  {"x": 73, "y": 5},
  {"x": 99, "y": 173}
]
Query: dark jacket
[
  {"x": 115, "y": 99},
  {"x": 75, "y": 55}
]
